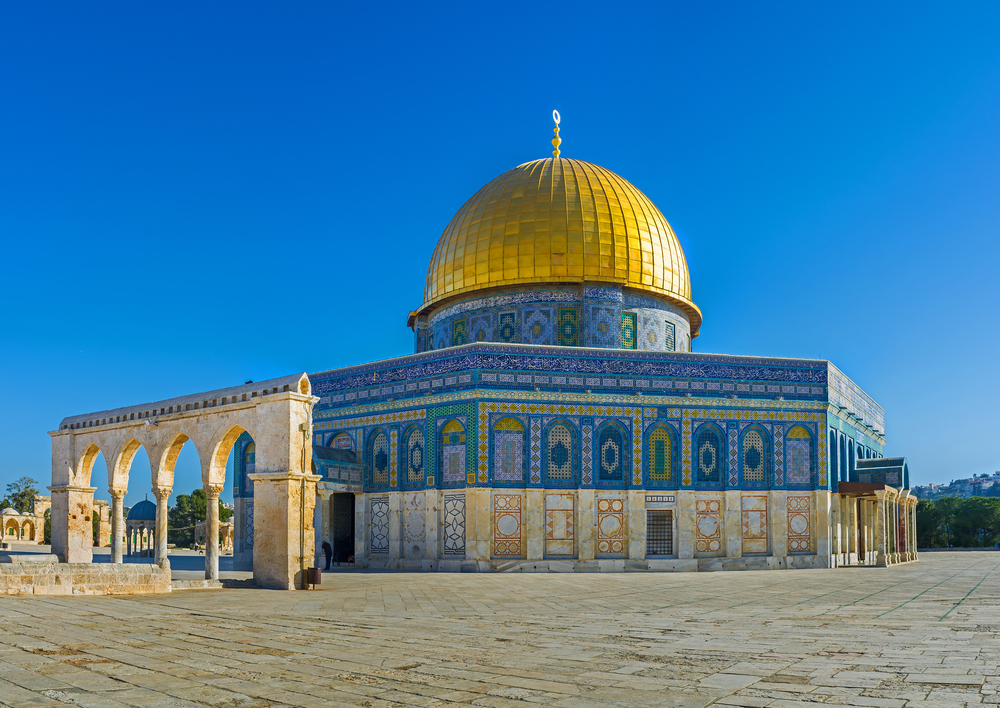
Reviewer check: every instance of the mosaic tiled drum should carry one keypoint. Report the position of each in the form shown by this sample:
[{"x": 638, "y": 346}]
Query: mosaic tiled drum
[{"x": 553, "y": 415}]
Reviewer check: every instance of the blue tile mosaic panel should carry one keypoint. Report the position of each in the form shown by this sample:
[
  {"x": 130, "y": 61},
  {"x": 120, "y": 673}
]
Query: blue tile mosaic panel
[
  {"x": 754, "y": 460},
  {"x": 568, "y": 334},
  {"x": 507, "y": 329},
  {"x": 560, "y": 453},
  {"x": 610, "y": 454},
  {"x": 628, "y": 330},
  {"x": 415, "y": 456},
  {"x": 709, "y": 455}
]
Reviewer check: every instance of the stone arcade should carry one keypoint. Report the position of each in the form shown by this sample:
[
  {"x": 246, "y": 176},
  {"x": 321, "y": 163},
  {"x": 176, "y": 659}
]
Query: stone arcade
[{"x": 275, "y": 413}]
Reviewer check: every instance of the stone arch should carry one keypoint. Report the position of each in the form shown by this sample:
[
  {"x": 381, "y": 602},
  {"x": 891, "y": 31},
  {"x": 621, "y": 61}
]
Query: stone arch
[
  {"x": 121, "y": 463},
  {"x": 164, "y": 463},
  {"x": 11, "y": 528},
  {"x": 214, "y": 468},
  {"x": 28, "y": 530},
  {"x": 85, "y": 463}
]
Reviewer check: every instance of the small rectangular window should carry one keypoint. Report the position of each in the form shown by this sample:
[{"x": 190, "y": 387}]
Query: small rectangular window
[
  {"x": 670, "y": 339},
  {"x": 659, "y": 532}
]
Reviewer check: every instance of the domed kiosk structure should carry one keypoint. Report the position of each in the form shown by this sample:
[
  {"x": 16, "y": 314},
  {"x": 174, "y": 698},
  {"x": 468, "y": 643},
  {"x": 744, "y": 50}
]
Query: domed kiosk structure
[
  {"x": 554, "y": 416},
  {"x": 140, "y": 529}
]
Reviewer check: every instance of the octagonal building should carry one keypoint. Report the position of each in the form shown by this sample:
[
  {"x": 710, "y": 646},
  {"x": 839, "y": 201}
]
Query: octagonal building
[{"x": 553, "y": 415}]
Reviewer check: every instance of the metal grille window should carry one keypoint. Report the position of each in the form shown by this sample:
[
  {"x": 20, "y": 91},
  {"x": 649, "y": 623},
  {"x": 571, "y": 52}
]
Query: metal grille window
[{"x": 659, "y": 532}]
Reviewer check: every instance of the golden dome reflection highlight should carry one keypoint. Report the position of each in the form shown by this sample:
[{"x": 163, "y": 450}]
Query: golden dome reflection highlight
[{"x": 559, "y": 220}]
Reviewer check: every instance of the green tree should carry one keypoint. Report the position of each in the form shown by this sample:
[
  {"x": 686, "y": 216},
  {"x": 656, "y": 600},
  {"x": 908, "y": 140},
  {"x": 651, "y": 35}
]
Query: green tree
[
  {"x": 977, "y": 522},
  {"x": 21, "y": 494},
  {"x": 48, "y": 526},
  {"x": 188, "y": 510},
  {"x": 930, "y": 532}
]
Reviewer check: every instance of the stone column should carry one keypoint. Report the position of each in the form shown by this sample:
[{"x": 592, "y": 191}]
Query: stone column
[
  {"x": 128, "y": 541},
  {"x": 586, "y": 526},
  {"x": 636, "y": 524},
  {"x": 732, "y": 524},
  {"x": 117, "y": 524},
  {"x": 533, "y": 524},
  {"x": 72, "y": 528},
  {"x": 881, "y": 542},
  {"x": 823, "y": 528},
  {"x": 686, "y": 518},
  {"x": 212, "y": 492},
  {"x": 162, "y": 495},
  {"x": 360, "y": 528},
  {"x": 325, "y": 527}
]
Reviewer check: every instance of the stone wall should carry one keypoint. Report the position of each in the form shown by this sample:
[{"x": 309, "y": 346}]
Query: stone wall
[{"x": 82, "y": 579}]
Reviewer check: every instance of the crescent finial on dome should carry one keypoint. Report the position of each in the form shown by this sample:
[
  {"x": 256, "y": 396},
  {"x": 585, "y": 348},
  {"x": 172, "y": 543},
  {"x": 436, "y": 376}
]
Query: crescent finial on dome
[{"x": 556, "y": 141}]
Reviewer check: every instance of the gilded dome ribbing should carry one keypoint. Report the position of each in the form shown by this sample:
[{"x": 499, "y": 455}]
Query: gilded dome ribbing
[{"x": 559, "y": 220}]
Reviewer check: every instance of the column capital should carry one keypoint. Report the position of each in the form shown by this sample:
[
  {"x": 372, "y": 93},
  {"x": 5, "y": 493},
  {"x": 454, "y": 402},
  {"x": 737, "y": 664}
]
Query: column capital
[
  {"x": 117, "y": 495},
  {"x": 212, "y": 491},
  {"x": 162, "y": 493}
]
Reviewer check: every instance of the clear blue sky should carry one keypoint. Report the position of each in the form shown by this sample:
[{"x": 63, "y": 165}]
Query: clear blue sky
[{"x": 193, "y": 195}]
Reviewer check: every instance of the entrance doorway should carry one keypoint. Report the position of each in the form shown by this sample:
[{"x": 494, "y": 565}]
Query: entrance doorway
[{"x": 343, "y": 526}]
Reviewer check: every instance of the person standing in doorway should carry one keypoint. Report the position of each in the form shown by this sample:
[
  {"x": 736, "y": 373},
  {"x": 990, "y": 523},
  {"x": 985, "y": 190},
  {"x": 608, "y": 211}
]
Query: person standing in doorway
[{"x": 328, "y": 552}]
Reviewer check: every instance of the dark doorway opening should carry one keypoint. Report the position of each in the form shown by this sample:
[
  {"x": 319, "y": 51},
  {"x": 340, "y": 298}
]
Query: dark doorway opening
[{"x": 343, "y": 526}]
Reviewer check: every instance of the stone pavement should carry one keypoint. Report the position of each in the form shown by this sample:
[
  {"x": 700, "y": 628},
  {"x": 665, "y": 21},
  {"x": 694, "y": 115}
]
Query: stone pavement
[{"x": 923, "y": 634}]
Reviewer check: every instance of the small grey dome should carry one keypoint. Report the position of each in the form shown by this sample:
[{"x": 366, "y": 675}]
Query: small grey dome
[{"x": 10, "y": 511}]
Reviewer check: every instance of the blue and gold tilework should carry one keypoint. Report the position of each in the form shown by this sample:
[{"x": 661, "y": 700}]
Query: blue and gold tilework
[
  {"x": 415, "y": 455},
  {"x": 610, "y": 454},
  {"x": 507, "y": 329},
  {"x": 754, "y": 458},
  {"x": 508, "y": 451},
  {"x": 459, "y": 334},
  {"x": 569, "y": 327},
  {"x": 628, "y": 330},
  {"x": 660, "y": 455},
  {"x": 798, "y": 454},
  {"x": 559, "y": 454},
  {"x": 709, "y": 458},
  {"x": 380, "y": 459},
  {"x": 453, "y": 452}
]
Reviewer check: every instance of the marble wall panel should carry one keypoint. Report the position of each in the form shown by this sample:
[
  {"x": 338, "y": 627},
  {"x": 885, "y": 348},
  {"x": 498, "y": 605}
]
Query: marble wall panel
[
  {"x": 610, "y": 526},
  {"x": 454, "y": 525},
  {"x": 799, "y": 524},
  {"x": 507, "y": 525},
  {"x": 754, "y": 522},
  {"x": 708, "y": 525},
  {"x": 560, "y": 524}
]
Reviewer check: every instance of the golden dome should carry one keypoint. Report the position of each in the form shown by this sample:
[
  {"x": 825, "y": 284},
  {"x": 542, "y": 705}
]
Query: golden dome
[{"x": 558, "y": 220}]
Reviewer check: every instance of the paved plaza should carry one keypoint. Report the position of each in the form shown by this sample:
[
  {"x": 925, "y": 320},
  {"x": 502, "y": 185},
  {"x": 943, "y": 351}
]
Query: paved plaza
[{"x": 923, "y": 634}]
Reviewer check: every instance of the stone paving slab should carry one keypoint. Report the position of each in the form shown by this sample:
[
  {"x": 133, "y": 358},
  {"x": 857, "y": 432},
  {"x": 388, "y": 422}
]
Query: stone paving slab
[{"x": 923, "y": 634}]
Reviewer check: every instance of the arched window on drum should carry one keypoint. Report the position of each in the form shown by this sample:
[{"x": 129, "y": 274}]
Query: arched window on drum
[
  {"x": 453, "y": 453},
  {"x": 560, "y": 455},
  {"x": 378, "y": 459},
  {"x": 612, "y": 454},
  {"x": 799, "y": 456},
  {"x": 413, "y": 450},
  {"x": 709, "y": 461},
  {"x": 754, "y": 457},
  {"x": 508, "y": 451},
  {"x": 341, "y": 441},
  {"x": 660, "y": 457}
]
